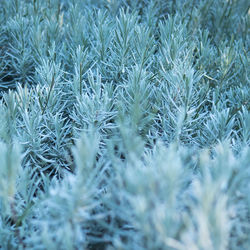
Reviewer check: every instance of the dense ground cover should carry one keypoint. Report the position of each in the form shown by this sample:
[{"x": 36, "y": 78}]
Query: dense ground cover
[{"x": 124, "y": 124}]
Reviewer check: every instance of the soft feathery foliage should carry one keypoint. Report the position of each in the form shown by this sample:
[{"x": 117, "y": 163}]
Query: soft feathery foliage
[{"x": 124, "y": 124}]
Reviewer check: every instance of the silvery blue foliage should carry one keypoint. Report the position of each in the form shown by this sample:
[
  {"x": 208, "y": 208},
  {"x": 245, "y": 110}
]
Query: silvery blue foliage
[{"x": 124, "y": 124}]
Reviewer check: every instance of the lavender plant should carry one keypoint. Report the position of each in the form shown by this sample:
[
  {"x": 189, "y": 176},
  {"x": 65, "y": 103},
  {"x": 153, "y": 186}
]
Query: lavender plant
[{"x": 124, "y": 124}]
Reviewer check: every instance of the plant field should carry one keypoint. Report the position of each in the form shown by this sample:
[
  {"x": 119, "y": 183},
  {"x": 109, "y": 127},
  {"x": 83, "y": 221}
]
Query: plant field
[{"x": 125, "y": 124}]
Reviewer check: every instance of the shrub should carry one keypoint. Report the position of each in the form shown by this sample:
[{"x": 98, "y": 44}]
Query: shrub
[{"x": 124, "y": 124}]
